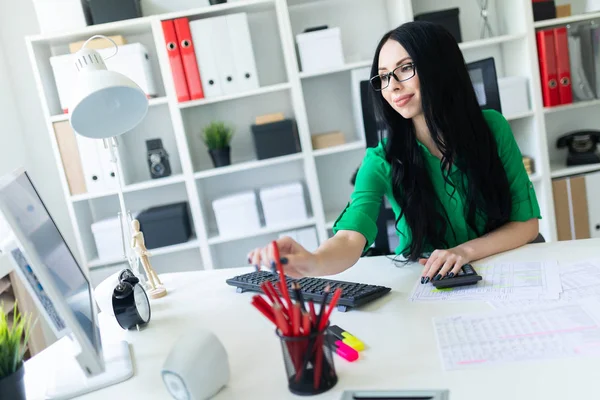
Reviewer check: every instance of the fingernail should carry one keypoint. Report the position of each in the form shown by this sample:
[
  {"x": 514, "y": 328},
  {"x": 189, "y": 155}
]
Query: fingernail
[
  {"x": 273, "y": 264},
  {"x": 426, "y": 279},
  {"x": 257, "y": 267},
  {"x": 422, "y": 279},
  {"x": 249, "y": 260},
  {"x": 451, "y": 274},
  {"x": 284, "y": 260},
  {"x": 437, "y": 277}
]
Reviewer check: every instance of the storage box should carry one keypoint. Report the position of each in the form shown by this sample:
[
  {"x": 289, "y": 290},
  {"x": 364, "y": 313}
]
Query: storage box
[
  {"x": 320, "y": 50},
  {"x": 108, "y": 238},
  {"x": 103, "y": 11},
  {"x": 276, "y": 139},
  {"x": 514, "y": 96},
  {"x": 283, "y": 204},
  {"x": 329, "y": 139},
  {"x": 60, "y": 15},
  {"x": 237, "y": 214},
  {"x": 132, "y": 60},
  {"x": 446, "y": 18},
  {"x": 98, "y": 43},
  {"x": 544, "y": 10},
  {"x": 563, "y": 11},
  {"x": 165, "y": 225}
]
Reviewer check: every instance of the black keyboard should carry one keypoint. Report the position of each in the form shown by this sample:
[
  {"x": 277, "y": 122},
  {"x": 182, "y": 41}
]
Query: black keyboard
[{"x": 353, "y": 294}]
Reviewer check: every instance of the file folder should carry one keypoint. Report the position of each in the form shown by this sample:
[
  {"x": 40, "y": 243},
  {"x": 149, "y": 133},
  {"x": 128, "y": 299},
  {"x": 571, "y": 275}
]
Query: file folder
[
  {"x": 188, "y": 58},
  {"x": 69, "y": 154},
  {"x": 202, "y": 36},
  {"x": 181, "y": 88},
  {"x": 243, "y": 53},
  {"x": 547, "y": 65},
  {"x": 223, "y": 53},
  {"x": 580, "y": 76},
  {"x": 562, "y": 65},
  {"x": 91, "y": 164}
]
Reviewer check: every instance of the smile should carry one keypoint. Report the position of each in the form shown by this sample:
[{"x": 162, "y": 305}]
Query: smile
[{"x": 402, "y": 100}]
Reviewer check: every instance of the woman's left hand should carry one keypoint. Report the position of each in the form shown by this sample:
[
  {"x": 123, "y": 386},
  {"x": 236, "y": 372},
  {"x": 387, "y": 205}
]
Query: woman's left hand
[{"x": 443, "y": 263}]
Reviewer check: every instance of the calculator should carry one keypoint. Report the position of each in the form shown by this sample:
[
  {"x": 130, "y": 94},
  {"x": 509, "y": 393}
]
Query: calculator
[{"x": 466, "y": 276}]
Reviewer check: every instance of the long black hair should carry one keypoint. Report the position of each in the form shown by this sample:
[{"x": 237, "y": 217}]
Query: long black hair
[{"x": 459, "y": 130}]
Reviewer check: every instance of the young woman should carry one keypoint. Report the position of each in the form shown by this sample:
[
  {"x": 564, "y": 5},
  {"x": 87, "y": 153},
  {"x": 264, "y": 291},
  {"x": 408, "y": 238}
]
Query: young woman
[{"x": 452, "y": 173}]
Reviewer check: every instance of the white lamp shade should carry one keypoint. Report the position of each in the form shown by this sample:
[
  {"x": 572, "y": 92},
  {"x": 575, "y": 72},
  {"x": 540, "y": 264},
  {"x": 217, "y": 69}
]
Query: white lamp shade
[{"x": 106, "y": 103}]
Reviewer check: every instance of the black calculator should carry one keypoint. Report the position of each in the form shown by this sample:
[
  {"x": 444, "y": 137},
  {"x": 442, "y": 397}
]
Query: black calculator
[{"x": 466, "y": 276}]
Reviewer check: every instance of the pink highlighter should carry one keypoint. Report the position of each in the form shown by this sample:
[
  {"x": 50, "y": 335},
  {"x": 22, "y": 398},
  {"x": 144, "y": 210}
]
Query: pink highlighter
[{"x": 342, "y": 349}]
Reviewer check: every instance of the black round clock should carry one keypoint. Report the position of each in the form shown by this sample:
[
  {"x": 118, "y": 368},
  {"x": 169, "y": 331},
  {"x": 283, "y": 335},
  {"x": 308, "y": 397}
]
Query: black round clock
[{"x": 130, "y": 302}]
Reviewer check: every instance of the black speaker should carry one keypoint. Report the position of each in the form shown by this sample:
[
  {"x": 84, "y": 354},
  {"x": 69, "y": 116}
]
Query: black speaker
[{"x": 158, "y": 159}]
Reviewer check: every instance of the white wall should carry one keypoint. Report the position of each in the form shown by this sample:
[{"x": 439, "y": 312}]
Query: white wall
[{"x": 17, "y": 20}]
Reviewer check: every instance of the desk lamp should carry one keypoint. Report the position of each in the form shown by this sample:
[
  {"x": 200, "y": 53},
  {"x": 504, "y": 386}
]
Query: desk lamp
[{"x": 107, "y": 104}]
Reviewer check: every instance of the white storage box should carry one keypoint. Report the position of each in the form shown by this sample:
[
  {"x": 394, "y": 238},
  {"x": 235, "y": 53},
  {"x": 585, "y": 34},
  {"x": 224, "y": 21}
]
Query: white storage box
[
  {"x": 131, "y": 60},
  {"x": 306, "y": 237},
  {"x": 320, "y": 50},
  {"x": 514, "y": 97},
  {"x": 59, "y": 15},
  {"x": 283, "y": 204},
  {"x": 236, "y": 214},
  {"x": 108, "y": 238}
]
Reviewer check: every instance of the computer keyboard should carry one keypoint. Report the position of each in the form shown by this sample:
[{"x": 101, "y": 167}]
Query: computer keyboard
[{"x": 353, "y": 294}]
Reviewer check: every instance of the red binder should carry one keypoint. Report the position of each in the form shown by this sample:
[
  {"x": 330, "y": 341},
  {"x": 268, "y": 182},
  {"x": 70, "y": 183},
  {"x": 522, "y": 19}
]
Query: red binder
[
  {"x": 563, "y": 67},
  {"x": 171, "y": 42},
  {"x": 188, "y": 57},
  {"x": 547, "y": 63}
]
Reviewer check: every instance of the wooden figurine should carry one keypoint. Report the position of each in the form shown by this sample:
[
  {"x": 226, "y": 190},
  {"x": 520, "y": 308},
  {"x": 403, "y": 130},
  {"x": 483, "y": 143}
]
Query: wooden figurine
[{"x": 157, "y": 289}]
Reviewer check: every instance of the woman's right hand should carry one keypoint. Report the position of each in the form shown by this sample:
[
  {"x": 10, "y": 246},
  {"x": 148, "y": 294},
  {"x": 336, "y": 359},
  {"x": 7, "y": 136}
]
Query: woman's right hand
[{"x": 296, "y": 261}]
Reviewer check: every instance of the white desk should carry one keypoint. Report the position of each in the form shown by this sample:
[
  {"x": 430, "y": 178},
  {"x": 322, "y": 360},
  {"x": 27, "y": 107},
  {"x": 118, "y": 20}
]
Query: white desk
[{"x": 401, "y": 350}]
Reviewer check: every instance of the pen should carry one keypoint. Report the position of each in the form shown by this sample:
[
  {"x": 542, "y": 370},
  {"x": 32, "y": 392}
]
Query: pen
[
  {"x": 342, "y": 349},
  {"x": 347, "y": 338}
]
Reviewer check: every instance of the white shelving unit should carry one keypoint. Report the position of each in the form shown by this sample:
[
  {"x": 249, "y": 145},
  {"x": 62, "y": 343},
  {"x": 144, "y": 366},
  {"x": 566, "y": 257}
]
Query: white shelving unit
[{"x": 318, "y": 102}]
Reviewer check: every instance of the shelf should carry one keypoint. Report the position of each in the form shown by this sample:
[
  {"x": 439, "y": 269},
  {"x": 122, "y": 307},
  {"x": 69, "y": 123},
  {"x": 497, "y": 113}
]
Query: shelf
[
  {"x": 134, "y": 187},
  {"x": 347, "y": 67},
  {"x": 526, "y": 114},
  {"x": 8, "y": 301},
  {"x": 218, "y": 9},
  {"x": 475, "y": 44},
  {"x": 565, "y": 20},
  {"x": 535, "y": 177},
  {"x": 214, "y": 239},
  {"x": 4, "y": 284},
  {"x": 559, "y": 170},
  {"x": 151, "y": 103},
  {"x": 247, "y": 165},
  {"x": 257, "y": 92},
  {"x": 572, "y": 106},
  {"x": 339, "y": 149},
  {"x": 191, "y": 244}
]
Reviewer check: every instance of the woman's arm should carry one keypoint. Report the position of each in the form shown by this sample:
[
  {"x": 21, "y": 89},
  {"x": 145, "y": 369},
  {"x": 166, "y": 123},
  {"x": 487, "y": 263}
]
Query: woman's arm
[{"x": 509, "y": 236}]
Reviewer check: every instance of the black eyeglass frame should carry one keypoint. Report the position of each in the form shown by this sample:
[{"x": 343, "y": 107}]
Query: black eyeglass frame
[{"x": 392, "y": 73}]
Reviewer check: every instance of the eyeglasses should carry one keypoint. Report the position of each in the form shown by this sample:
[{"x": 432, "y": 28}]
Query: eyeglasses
[{"x": 401, "y": 73}]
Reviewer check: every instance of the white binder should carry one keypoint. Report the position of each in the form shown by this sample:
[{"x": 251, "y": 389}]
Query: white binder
[
  {"x": 202, "y": 36},
  {"x": 243, "y": 53},
  {"x": 91, "y": 164},
  {"x": 223, "y": 53}
]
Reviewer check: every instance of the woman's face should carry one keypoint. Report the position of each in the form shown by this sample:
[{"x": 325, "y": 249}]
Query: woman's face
[{"x": 404, "y": 97}]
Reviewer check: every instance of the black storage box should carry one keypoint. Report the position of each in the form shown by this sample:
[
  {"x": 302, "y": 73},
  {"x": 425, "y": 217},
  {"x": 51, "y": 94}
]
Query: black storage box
[
  {"x": 165, "y": 225},
  {"x": 544, "y": 10},
  {"x": 276, "y": 139},
  {"x": 447, "y": 18},
  {"x": 102, "y": 11}
]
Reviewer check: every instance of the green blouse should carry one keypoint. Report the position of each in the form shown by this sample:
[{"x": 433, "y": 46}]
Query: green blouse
[{"x": 375, "y": 177}]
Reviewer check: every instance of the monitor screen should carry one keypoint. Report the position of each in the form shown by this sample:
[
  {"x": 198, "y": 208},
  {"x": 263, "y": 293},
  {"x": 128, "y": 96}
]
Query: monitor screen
[{"x": 32, "y": 218}]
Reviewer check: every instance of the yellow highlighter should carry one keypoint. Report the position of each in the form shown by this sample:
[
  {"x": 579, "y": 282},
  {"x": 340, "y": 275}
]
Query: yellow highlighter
[{"x": 347, "y": 338}]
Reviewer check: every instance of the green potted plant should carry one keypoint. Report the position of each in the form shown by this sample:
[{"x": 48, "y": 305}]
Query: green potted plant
[
  {"x": 13, "y": 344},
  {"x": 217, "y": 137}
]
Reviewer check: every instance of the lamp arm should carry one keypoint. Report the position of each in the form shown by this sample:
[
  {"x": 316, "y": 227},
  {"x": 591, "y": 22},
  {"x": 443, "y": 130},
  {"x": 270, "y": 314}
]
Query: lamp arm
[{"x": 102, "y": 37}]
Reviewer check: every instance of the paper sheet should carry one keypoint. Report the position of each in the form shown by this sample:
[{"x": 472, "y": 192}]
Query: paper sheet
[
  {"x": 501, "y": 281},
  {"x": 502, "y": 336},
  {"x": 580, "y": 280}
]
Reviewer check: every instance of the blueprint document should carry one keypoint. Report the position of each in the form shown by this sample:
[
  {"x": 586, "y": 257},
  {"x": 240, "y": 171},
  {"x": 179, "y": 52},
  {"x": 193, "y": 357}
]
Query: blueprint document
[
  {"x": 500, "y": 281},
  {"x": 502, "y": 336},
  {"x": 580, "y": 280}
]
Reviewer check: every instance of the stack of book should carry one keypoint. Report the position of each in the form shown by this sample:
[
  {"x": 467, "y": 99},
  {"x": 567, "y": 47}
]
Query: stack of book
[{"x": 528, "y": 163}]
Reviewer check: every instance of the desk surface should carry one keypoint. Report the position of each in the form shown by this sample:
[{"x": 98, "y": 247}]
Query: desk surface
[{"x": 401, "y": 349}]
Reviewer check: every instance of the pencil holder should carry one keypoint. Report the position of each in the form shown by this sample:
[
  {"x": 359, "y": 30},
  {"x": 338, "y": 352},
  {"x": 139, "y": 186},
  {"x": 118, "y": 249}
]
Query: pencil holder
[{"x": 308, "y": 363}]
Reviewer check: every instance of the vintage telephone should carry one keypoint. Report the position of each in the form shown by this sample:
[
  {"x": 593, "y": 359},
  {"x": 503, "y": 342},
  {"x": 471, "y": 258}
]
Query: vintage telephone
[{"x": 582, "y": 147}]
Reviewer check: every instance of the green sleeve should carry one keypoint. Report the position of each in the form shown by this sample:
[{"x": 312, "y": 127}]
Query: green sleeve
[
  {"x": 361, "y": 212},
  {"x": 524, "y": 201}
]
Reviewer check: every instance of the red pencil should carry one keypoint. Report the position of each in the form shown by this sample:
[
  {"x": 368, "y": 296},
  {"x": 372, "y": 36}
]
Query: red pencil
[
  {"x": 282, "y": 281},
  {"x": 265, "y": 289},
  {"x": 313, "y": 314},
  {"x": 266, "y": 311},
  {"x": 280, "y": 320},
  {"x": 296, "y": 319},
  {"x": 334, "y": 300}
]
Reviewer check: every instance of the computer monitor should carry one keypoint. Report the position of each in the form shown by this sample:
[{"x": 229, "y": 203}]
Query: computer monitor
[{"x": 60, "y": 288}]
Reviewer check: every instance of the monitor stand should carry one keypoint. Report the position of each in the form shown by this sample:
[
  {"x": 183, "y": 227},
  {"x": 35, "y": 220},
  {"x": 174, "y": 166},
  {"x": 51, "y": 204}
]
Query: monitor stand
[{"x": 70, "y": 381}]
